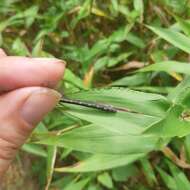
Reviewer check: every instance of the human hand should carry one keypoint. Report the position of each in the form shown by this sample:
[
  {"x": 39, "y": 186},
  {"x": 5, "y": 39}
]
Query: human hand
[{"x": 25, "y": 98}]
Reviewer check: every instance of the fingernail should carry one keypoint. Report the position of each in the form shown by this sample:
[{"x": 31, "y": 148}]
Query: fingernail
[{"x": 38, "y": 104}]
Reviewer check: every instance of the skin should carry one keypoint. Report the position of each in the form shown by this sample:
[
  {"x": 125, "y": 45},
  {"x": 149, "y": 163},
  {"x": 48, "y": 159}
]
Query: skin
[{"x": 26, "y": 96}]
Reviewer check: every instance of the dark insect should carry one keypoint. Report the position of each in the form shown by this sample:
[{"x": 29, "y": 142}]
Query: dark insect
[{"x": 99, "y": 106}]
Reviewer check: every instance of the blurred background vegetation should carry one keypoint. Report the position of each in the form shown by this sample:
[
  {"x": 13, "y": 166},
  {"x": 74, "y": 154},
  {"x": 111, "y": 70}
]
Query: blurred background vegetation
[{"x": 103, "y": 42}]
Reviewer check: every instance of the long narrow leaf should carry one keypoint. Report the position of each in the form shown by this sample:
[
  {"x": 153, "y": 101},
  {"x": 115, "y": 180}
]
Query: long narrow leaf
[{"x": 175, "y": 38}]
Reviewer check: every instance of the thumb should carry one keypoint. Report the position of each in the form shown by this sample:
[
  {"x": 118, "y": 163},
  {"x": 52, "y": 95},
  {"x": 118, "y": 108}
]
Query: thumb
[{"x": 20, "y": 111}]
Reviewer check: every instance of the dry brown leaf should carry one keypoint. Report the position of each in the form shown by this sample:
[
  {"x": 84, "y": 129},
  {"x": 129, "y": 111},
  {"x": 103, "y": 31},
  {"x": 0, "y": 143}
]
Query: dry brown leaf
[
  {"x": 172, "y": 156},
  {"x": 129, "y": 65}
]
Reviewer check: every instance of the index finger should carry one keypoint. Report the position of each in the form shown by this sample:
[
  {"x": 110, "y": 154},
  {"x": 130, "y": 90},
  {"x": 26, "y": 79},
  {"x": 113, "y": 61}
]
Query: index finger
[{"x": 17, "y": 72}]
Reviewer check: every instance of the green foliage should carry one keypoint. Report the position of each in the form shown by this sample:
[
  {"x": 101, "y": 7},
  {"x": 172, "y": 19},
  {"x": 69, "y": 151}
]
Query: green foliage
[{"x": 132, "y": 55}]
